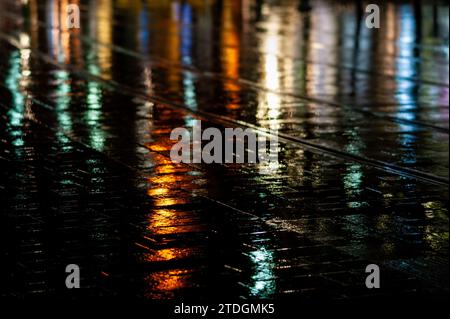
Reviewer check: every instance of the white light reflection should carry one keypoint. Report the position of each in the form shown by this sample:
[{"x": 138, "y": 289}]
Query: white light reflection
[
  {"x": 144, "y": 120},
  {"x": 270, "y": 102},
  {"x": 405, "y": 96},
  {"x": 268, "y": 112},
  {"x": 190, "y": 96}
]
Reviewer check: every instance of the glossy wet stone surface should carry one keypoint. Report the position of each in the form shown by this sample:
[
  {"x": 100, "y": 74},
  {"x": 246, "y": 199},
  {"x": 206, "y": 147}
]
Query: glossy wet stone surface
[{"x": 86, "y": 177}]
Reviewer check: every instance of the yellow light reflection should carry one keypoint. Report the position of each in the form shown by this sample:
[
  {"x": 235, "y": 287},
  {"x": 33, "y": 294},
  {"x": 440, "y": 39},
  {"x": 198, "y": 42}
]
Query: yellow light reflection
[
  {"x": 231, "y": 56},
  {"x": 162, "y": 218},
  {"x": 166, "y": 201},
  {"x": 171, "y": 221},
  {"x": 158, "y": 191},
  {"x": 104, "y": 16},
  {"x": 437, "y": 211},
  {"x": 168, "y": 254},
  {"x": 169, "y": 179},
  {"x": 167, "y": 217},
  {"x": 160, "y": 148},
  {"x": 164, "y": 283},
  {"x": 166, "y": 169},
  {"x": 173, "y": 49}
]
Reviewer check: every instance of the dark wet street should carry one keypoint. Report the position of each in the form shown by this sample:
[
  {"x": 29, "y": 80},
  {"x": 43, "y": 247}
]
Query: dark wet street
[{"x": 86, "y": 178}]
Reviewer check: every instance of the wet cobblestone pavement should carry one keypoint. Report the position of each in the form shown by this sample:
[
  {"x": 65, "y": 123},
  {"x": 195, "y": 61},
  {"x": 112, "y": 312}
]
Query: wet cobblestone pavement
[{"x": 86, "y": 176}]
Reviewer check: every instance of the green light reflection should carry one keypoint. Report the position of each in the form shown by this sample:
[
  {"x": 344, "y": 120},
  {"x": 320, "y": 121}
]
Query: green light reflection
[
  {"x": 63, "y": 100},
  {"x": 264, "y": 278},
  {"x": 16, "y": 113},
  {"x": 93, "y": 115}
]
